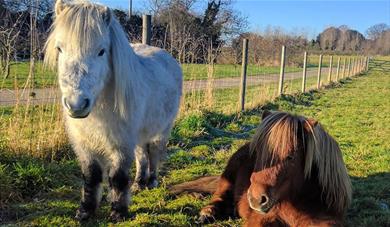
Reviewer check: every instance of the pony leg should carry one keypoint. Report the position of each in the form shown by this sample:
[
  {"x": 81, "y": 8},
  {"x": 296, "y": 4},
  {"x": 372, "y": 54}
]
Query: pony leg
[
  {"x": 222, "y": 203},
  {"x": 157, "y": 150},
  {"x": 119, "y": 182},
  {"x": 92, "y": 190},
  {"x": 142, "y": 164}
]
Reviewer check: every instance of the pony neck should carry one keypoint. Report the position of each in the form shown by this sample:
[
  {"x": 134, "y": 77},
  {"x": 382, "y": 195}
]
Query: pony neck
[
  {"x": 293, "y": 216},
  {"x": 309, "y": 201}
]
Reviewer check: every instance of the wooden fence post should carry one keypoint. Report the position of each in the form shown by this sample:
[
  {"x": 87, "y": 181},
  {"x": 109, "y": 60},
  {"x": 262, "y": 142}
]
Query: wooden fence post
[
  {"x": 338, "y": 69},
  {"x": 357, "y": 65},
  {"x": 282, "y": 64},
  {"x": 244, "y": 65},
  {"x": 319, "y": 73},
  {"x": 349, "y": 67},
  {"x": 367, "y": 62},
  {"x": 304, "y": 72},
  {"x": 344, "y": 66},
  {"x": 330, "y": 69},
  {"x": 146, "y": 29}
]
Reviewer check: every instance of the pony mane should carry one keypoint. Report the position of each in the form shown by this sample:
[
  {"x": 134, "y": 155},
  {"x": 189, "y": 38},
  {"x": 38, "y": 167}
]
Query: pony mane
[
  {"x": 280, "y": 131},
  {"x": 80, "y": 22},
  {"x": 323, "y": 153}
]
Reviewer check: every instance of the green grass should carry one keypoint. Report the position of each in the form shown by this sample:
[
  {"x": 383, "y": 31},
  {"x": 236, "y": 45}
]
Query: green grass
[
  {"x": 355, "y": 112},
  {"x": 44, "y": 78},
  {"x": 19, "y": 73},
  {"x": 199, "y": 71}
]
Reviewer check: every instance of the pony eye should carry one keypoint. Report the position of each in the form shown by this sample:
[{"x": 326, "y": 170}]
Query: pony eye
[
  {"x": 101, "y": 52},
  {"x": 59, "y": 50},
  {"x": 290, "y": 157}
]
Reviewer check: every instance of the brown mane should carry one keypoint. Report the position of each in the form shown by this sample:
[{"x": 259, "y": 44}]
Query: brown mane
[{"x": 323, "y": 152}]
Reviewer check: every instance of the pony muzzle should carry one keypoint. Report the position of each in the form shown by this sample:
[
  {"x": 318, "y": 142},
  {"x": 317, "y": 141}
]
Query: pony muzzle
[
  {"x": 263, "y": 204},
  {"x": 79, "y": 108}
]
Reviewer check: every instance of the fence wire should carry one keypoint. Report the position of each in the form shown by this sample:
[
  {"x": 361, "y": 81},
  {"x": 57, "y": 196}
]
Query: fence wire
[{"x": 30, "y": 111}]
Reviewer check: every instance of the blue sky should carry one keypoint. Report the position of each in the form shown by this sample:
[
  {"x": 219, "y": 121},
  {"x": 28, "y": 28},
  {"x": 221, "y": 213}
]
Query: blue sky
[{"x": 312, "y": 16}]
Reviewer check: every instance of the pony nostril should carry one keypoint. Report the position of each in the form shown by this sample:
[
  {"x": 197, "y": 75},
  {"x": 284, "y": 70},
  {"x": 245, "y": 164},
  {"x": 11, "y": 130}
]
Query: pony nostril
[
  {"x": 263, "y": 200},
  {"x": 86, "y": 104}
]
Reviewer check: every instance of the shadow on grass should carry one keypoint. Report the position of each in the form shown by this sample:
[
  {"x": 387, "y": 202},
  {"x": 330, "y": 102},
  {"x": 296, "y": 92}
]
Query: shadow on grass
[
  {"x": 371, "y": 201},
  {"x": 26, "y": 180}
]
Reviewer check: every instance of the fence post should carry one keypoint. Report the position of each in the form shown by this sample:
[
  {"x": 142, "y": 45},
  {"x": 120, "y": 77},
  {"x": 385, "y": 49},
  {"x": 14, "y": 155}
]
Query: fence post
[
  {"x": 282, "y": 64},
  {"x": 146, "y": 29},
  {"x": 353, "y": 66},
  {"x": 357, "y": 65},
  {"x": 243, "y": 73},
  {"x": 344, "y": 66},
  {"x": 338, "y": 68},
  {"x": 319, "y": 73},
  {"x": 367, "y": 62},
  {"x": 304, "y": 72},
  {"x": 330, "y": 69},
  {"x": 349, "y": 67}
]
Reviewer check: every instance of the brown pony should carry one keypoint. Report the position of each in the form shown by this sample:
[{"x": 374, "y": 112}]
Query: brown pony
[{"x": 291, "y": 174}]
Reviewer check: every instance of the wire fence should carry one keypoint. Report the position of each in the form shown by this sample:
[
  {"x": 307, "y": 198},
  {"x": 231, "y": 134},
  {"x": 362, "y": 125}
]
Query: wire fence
[{"x": 31, "y": 116}]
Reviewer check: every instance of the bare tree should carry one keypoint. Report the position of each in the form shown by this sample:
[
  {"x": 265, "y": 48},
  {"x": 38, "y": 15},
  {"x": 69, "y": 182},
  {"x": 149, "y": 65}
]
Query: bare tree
[
  {"x": 9, "y": 34},
  {"x": 179, "y": 27},
  {"x": 375, "y": 31}
]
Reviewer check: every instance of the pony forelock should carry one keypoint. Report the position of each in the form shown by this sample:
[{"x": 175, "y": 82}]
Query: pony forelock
[
  {"x": 79, "y": 23},
  {"x": 275, "y": 136}
]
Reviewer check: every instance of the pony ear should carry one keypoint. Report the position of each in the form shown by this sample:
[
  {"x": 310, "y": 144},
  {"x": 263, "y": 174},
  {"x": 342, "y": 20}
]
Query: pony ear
[
  {"x": 106, "y": 15},
  {"x": 59, "y": 7},
  {"x": 265, "y": 114}
]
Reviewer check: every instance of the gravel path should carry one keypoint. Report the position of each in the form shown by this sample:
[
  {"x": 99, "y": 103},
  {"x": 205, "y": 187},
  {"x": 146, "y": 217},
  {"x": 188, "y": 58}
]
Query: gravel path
[{"x": 51, "y": 95}]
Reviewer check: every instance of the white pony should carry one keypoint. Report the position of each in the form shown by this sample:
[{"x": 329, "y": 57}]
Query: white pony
[{"x": 119, "y": 100}]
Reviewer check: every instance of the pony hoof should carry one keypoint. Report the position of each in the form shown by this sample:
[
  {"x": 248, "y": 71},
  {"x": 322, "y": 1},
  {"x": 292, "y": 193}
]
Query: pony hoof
[
  {"x": 82, "y": 214},
  {"x": 116, "y": 216},
  {"x": 205, "y": 219},
  {"x": 137, "y": 187},
  {"x": 206, "y": 215},
  {"x": 152, "y": 184}
]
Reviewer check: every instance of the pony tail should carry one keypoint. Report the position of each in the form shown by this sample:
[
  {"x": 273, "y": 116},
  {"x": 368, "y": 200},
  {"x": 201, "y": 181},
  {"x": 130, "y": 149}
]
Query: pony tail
[
  {"x": 324, "y": 152},
  {"x": 123, "y": 60}
]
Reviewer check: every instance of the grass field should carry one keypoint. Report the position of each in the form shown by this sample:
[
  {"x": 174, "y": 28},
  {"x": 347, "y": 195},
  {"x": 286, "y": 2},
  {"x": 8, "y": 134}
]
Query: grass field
[
  {"x": 43, "y": 78},
  {"x": 35, "y": 192}
]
